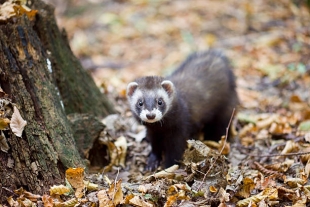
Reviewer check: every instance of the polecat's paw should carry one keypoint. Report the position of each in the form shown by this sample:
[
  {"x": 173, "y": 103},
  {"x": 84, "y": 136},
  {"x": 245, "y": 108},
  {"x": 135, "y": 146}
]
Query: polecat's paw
[{"x": 152, "y": 163}]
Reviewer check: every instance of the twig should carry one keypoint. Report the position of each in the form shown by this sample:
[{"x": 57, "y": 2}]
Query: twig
[
  {"x": 213, "y": 163},
  {"x": 287, "y": 154},
  {"x": 115, "y": 182}
]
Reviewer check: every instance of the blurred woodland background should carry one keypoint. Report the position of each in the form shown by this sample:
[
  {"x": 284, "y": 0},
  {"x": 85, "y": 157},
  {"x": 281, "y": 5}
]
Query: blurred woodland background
[{"x": 119, "y": 40}]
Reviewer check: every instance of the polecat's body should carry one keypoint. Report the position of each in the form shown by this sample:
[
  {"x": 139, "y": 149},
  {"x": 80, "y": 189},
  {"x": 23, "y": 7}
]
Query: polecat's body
[{"x": 199, "y": 96}]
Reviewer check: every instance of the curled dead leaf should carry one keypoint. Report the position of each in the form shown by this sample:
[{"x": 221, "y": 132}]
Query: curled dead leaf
[
  {"x": 270, "y": 193},
  {"x": 17, "y": 123},
  {"x": 294, "y": 182},
  {"x": 170, "y": 201},
  {"x": 290, "y": 146},
  {"x": 59, "y": 190},
  {"x": 70, "y": 203},
  {"x": 166, "y": 173},
  {"x": 90, "y": 186},
  {"x": 48, "y": 201},
  {"x": 137, "y": 201},
  {"x": 213, "y": 189},
  {"x": 117, "y": 152}
]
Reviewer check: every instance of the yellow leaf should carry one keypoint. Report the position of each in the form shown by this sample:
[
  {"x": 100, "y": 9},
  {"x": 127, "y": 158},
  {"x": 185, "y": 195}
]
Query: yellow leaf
[
  {"x": 116, "y": 193},
  {"x": 4, "y": 123},
  {"x": 59, "y": 190},
  {"x": 213, "y": 189},
  {"x": 75, "y": 177}
]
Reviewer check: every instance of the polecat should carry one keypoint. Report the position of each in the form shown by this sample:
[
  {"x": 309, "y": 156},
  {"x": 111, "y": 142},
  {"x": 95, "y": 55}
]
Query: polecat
[{"x": 198, "y": 96}]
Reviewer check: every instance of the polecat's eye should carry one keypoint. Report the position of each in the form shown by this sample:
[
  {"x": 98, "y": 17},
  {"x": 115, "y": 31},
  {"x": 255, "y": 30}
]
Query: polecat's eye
[
  {"x": 160, "y": 102},
  {"x": 140, "y": 103}
]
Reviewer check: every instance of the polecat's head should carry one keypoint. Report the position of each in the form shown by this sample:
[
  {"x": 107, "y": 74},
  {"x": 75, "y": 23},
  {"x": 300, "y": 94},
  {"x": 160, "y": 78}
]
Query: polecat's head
[{"x": 150, "y": 97}]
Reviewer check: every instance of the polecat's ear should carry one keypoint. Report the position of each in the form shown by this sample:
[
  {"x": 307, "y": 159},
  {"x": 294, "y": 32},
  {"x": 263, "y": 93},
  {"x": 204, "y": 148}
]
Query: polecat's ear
[
  {"x": 131, "y": 88},
  {"x": 168, "y": 86}
]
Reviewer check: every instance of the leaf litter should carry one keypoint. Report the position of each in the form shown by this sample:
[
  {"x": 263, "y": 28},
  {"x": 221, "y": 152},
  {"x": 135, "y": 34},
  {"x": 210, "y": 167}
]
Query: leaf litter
[{"x": 267, "y": 163}]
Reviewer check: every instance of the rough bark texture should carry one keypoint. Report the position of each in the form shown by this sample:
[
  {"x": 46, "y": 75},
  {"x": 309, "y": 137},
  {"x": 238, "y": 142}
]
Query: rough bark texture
[
  {"x": 86, "y": 129},
  {"x": 78, "y": 90},
  {"x": 38, "y": 159}
]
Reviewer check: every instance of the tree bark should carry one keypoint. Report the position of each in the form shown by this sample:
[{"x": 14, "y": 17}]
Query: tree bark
[
  {"x": 77, "y": 88},
  {"x": 38, "y": 159}
]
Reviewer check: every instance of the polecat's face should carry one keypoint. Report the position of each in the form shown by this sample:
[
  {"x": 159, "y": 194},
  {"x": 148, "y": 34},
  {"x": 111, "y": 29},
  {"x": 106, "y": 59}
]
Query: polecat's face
[{"x": 150, "y": 104}]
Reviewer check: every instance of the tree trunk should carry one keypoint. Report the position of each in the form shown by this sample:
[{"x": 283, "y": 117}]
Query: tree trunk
[
  {"x": 37, "y": 159},
  {"x": 78, "y": 90}
]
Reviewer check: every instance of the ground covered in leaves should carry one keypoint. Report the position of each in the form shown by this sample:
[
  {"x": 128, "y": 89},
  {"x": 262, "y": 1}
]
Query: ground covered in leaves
[{"x": 268, "y": 43}]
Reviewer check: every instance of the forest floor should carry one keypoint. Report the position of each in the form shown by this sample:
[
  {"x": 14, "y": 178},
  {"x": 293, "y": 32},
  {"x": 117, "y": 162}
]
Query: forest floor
[{"x": 268, "y": 43}]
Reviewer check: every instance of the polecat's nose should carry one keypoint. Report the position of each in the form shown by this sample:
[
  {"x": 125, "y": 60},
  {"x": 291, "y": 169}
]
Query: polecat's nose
[{"x": 150, "y": 116}]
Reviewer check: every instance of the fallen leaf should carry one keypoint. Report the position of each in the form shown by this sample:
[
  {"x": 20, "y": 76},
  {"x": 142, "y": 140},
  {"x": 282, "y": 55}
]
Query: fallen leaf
[
  {"x": 4, "y": 123},
  {"x": 115, "y": 192},
  {"x": 75, "y": 177},
  {"x": 17, "y": 123},
  {"x": 137, "y": 201},
  {"x": 59, "y": 190},
  {"x": 104, "y": 199},
  {"x": 48, "y": 201}
]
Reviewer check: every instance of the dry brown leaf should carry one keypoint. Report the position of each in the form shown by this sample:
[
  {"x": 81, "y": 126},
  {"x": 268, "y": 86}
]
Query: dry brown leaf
[
  {"x": 270, "y": 193},
  {"x": 90, "y": 186},
  {"x": 26, "y": 194},
  {"x": 307, "y": 168},
  {"x": 294, "y": 182},
  {"x": 12, "y": 202},
  {"x": 172, "y": 190},
  {"x": 7, "y": 11},
  {"x": 75, "y": 177},
  {"x": 115, "y": 192},
  {"x": 117, "y": 152},
  {"x": 307, "y": 136},
  {"x": 247, "y": 129},
  {"x": 290, "y": 146},
  {"x": 265, "y": 122},
  {"x": 127, "y": 198},
  {"x": 223, "y": 195},
  {"x": 25, "y": 202},
  {"x": 48, "y": 201},
  {"x": 17, "y": 123},
  {"x": 104, "y": 199},
  {"x": 282, "y": 166},
  {"x": 59, "y": 190},
  {"x": 266, "y": 182},
  {"x": 170, "y": 201},
  {"x": 224, "y": 146},
  {"x": 166, "y": 173},
  {"x": 306, "y": 192},
  {"x": 121, "y": 146},
  {"x": 137, "y": 201},
  {"x": 142, "y": 189},
  {"x": 69, "y": 203},
  {"x": 246, "y": 188},
  {"x": 23, "y": 9},
  {"x": 213, "y": 189}
]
